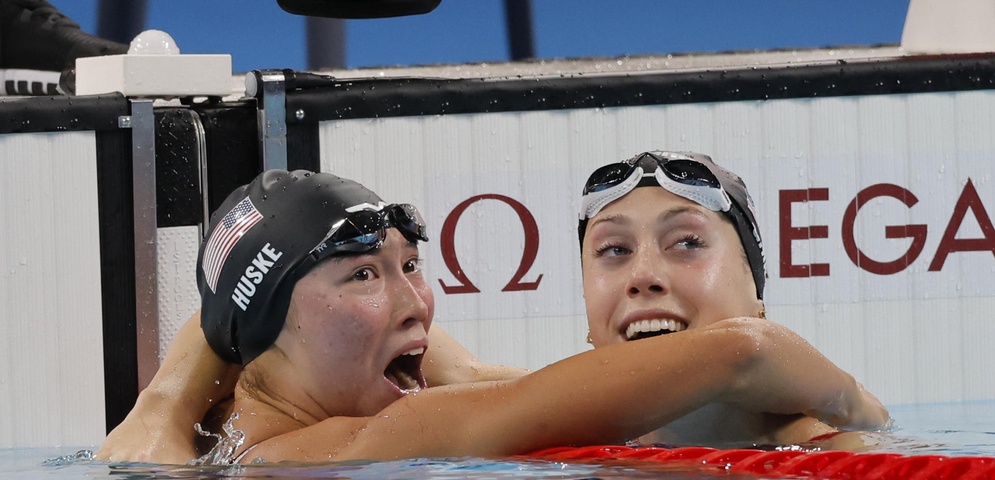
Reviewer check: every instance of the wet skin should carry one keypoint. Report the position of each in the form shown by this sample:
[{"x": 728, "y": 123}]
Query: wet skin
[
  {"x": 350, "y": 318},
  {"x": 655, "y": 255}
]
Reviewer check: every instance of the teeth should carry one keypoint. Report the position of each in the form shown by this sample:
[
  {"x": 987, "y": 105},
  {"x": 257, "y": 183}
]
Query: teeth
[
  {"x": 655, "y": 325},
  {"x": 410, "y": 390},
  {"x": 415, "y": 351}
]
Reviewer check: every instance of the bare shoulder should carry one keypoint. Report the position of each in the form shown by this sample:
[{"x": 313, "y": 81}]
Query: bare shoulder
[{"x": 328, "y": 440}]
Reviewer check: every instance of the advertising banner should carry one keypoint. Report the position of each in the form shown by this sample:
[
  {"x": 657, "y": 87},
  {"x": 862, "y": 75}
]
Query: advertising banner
[{"x": 874, "y": 210}]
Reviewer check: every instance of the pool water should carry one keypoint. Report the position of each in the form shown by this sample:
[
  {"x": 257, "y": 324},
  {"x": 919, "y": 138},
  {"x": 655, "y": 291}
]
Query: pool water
[
  {"x": 43, "y": 463},
  {"x": 951, "y": 429},
  {"x": 956, "y": 429}
]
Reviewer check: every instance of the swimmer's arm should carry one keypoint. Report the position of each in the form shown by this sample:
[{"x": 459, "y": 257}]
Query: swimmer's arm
[
  {"x": 605, "y": 395},
  {"x": 447, "y": 362},
  {"x": 798, "y": 429},
  {"x": 812, "y": 433},
  {"x": 788, "y": 375},
  {"x": 191, "y": 379}
]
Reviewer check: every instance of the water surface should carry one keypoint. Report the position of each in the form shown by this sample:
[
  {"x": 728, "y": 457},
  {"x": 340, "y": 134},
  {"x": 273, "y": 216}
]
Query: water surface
[{"x": 952, "y": 429}]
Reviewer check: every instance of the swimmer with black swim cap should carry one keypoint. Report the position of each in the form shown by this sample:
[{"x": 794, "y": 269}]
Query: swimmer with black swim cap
[{"x": 269, "y": 234}]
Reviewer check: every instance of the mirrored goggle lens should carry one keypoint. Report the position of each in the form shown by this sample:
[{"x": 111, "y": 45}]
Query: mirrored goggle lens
[
  {"x": 360, "y": 243},
  {"x": 690, "y": 172},
  {"x": 362, "y": 231},
  {"x": 409, "y": 222},
  {"x": 607, "y": 176}
]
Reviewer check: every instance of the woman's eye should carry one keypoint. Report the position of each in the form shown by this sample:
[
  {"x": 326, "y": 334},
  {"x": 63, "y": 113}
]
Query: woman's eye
[
  {"x": 611, "y": 251},
  {"x": 362, "y": 275},
  {"x": 689, "y": 242},
  {"x": 413, "y": 265}
]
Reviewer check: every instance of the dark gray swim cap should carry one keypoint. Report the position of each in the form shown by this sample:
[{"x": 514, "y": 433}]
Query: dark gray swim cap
[
  {"x": 690, "y": 175},
  {"x": 247, "y": 266}
]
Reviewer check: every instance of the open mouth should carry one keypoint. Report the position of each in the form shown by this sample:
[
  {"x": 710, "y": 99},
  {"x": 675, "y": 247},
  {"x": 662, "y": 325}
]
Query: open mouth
[
  {"x": 405, "y": 371},
  {"x": 653, "y": 328}
]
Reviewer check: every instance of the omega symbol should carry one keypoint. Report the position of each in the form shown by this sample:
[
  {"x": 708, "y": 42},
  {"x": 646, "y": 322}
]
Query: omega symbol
[{"x": 528, "y": 255}]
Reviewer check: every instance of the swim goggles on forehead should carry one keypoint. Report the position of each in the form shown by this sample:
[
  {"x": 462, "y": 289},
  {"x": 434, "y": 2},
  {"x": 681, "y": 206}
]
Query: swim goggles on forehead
[
  {"x": 676, "y": 173},
  {"x": 366, "y": 230}
]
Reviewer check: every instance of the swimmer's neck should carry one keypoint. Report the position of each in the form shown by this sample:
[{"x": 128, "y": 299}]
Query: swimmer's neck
[{"x": 262, "y": 415}]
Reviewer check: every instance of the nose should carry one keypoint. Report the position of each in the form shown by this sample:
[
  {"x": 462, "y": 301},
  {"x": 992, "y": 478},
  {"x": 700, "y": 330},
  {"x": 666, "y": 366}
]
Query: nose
[
  {"x": 413, "y": 299},
  {"x": 648, "y": 275}
]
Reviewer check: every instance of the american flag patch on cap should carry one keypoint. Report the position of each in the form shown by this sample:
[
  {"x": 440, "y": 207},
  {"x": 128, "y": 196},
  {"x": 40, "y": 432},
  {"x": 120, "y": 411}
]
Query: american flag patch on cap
[{"x": 224, "y": 238}]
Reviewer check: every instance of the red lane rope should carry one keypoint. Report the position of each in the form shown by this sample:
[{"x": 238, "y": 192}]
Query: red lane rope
[{"x": 793, "y": 463}]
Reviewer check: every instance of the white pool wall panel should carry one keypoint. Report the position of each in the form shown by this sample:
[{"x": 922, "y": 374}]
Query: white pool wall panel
[
  {"x": 912, "y": 335},
  {"x": 179, "y": 297},
  {"x": 51, "y": 348}
]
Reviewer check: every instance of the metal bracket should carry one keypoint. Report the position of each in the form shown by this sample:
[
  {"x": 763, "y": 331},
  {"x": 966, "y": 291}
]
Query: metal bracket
[{"x": 269, "y": 88}]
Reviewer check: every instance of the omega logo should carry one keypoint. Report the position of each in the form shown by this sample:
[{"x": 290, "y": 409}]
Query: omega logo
[
  {"x": 969, "y": 201},
  {"x": 447, "y": 244}
]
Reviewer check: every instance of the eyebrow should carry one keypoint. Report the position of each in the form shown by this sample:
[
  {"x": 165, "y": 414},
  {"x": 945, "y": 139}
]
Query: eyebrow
[
  {"x": 681, "y": 210},
  {"x": 371, "y": 253},
  {"x": 616, "y": 218},
  {"x": 341, "y": 257},
  {"x": 622, "y": 219}
]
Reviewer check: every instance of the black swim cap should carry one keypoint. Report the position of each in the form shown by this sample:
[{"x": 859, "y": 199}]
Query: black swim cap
[
  {"x": 614, "y": 181},
  {"x": 247, "y": 266}
]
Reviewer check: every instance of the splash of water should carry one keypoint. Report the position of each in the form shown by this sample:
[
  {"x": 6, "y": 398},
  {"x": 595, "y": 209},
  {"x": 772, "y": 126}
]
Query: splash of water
[
  {"x": 81, "y": 456},
  {"x": 223, "y": 453}
]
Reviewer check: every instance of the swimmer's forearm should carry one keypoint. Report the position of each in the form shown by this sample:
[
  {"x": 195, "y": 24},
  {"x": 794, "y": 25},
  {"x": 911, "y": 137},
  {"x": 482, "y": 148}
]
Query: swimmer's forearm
[
  {"x": 448, "y": 363},
  {"x": 147, "y": 435},
  {"x": 619, "y": 392},
  {"x": 606, "y": 395},
  {"x": 788, "y": 375},
  {"x": 189, "y": 382},
  {"x": 753, "y": 364},
  {"x": 193, "y": 374}
]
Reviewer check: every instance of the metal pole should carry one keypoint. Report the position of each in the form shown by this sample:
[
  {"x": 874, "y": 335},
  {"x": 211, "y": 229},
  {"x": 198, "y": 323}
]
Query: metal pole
[
  {"x": 518, "y": 15},
  {"x": 142, "y": 124},
  {"x": 121, "y": 20},
  {"x": 325, "y": 43}
]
